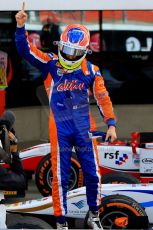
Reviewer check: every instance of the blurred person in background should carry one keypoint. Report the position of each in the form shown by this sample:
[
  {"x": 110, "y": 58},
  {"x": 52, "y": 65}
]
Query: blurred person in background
[
  {"x": 50, "y": 33},
  {"x": 5, "y": 78},
  {"x": 12, "y": 178}
]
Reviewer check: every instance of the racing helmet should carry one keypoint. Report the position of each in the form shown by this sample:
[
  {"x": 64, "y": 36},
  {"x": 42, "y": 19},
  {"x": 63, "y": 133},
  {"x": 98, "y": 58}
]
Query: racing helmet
[{"x": 73, "y": 46}]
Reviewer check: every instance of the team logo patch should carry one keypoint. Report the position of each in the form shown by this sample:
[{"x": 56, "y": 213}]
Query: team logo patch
[
  {"x": 100, "y": 95},
  {"x": 100, "y": 83},
  {"x": 60, "y": 72},
  {"x": 70, "y": 85}
]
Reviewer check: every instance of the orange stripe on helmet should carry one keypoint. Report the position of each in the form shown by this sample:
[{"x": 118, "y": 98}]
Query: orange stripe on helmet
[{"x": 54, "y": 160}]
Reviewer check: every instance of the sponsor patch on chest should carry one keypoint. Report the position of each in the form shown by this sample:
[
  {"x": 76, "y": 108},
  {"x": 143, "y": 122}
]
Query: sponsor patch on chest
[
  {"x": 60, "y": 72},
  {"x": 70, "y": 85}
]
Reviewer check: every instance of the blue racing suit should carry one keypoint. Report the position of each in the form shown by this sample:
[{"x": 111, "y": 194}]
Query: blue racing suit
[{"x": 69, "y": 122}]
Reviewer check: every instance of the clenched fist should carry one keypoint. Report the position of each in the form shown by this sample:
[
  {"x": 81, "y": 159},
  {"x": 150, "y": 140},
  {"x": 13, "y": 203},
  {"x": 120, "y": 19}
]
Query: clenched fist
[{"x": 21, "y": 17}]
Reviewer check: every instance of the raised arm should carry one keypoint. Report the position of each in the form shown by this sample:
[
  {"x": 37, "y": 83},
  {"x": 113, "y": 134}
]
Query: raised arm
[
  {"x": 21, "y": 17},
  {"x": 36, "y": 57}
]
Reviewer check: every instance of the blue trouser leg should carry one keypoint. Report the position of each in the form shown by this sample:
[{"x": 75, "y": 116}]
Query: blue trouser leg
[{"x": 88, "y": 160}]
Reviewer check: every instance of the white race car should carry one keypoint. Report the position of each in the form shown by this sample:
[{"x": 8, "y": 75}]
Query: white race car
[
  {"x": 120, "y": 162},
  {"x": 122, "y": 207}
]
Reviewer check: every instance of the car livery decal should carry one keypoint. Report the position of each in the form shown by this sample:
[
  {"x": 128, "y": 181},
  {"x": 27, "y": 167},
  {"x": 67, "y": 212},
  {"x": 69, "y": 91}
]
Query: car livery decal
[
  {"x": 121, "y": 170},
  {"x": 141, "y": 191},
  {"x": 122, "y": 159},
  {"x": 146, "y": 204},
  {"x": 80, "y": 204}
]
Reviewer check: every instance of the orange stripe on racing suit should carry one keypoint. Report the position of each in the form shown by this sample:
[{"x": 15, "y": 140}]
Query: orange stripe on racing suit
[
  {"x": 38, "y": 53},
  {"x": 55, "y": 159},
  {"x": 92, "y": 120},
  {"x": 48, "y": 85},
  {"x": 86, "y": 72},
  {"x": 92, "y": 123},
  {"x": 101, "y": 95},
  {"x": 31, "y": 53}
]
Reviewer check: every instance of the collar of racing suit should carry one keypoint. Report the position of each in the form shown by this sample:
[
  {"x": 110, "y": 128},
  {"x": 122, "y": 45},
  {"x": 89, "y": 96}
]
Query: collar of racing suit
[
  {"x": 83, "y": 66},
  {"x": 72, "y": 70}
]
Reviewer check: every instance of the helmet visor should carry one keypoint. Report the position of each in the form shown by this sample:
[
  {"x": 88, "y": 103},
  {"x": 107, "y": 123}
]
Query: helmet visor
[{"x": 71, "y": 50}]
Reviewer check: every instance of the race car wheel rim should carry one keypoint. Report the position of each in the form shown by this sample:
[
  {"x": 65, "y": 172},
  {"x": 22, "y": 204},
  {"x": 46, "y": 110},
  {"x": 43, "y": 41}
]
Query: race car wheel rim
[
  {"x": 108, "y": 221},
  {"x": 72, "y": 180},
  {"x": 49, "y": 178}
]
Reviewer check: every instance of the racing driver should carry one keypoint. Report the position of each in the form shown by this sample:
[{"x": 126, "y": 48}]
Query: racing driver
[{"x": 68, "y": 77}]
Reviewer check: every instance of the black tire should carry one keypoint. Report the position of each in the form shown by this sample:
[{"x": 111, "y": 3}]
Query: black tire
[
  {"x": 15, "y": 221},
  {"x": 119, "y": 178},
  {"x": 43, "y": 175},
  {"x": 116, "y": 206}
]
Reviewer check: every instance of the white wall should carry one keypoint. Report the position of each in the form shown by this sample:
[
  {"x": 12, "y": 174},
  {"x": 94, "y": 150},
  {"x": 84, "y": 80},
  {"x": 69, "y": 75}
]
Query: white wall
[
  {"x": 32, "y": 122},
  {"x": 129, "y": 118}
]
